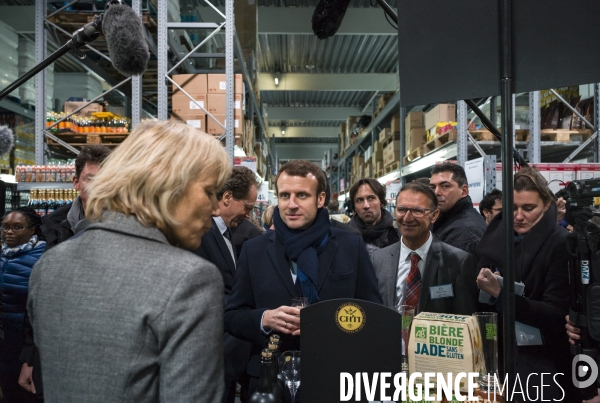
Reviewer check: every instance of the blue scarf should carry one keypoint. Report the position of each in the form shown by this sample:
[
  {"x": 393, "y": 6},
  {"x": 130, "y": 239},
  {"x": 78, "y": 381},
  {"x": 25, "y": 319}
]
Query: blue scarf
[
  {"x": 303, "y": 247},
  {"x": 26, "y": 247}
]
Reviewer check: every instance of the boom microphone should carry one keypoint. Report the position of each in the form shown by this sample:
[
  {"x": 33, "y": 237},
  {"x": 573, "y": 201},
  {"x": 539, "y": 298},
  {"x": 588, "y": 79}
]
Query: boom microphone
[
  {"x": 328, "y": 17},
  {"x": 124, "y": 34},
  {"x": 6, "y": 139}
]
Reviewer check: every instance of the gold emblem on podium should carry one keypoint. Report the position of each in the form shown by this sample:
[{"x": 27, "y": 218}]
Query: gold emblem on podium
[{"x": 350, "y": 317}]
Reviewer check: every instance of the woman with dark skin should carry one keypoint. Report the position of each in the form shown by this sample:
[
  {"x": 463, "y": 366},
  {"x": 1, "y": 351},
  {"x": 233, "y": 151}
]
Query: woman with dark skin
[{"x": 22, "y": 246}]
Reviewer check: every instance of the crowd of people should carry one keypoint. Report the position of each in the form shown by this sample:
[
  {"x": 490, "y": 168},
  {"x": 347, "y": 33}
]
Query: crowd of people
[{"x": 154, "y": 285}]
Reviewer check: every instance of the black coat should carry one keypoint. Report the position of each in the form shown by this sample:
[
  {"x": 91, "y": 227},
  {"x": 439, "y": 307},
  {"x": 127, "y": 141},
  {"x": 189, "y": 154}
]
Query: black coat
[
  {"x": 243, "y": 232},
  {"x": 462, "y": 226},
  {"x": 345, "y": 227},
  {"x": 381, "y": 234},
  {"x": 56, "y": 227},
  {"x": 264, "y": 281},
  {"x": 541, "y": 263},
  {"x": 214, "y": 249}
]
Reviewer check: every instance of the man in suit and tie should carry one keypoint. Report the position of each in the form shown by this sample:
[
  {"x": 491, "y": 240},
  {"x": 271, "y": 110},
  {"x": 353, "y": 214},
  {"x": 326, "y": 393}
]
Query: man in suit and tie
[
  {"x": 304, "y": 256},
  {"x": 420, "y": 270},
  {"x": 236, "y": 200}
]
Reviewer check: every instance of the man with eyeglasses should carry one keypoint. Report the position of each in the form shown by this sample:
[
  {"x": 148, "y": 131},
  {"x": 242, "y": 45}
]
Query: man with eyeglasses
[
  {"x": 459, "y": 224},
  {"x": 491, "y": 205},
  {"x": 420, "y": 270},
  {"x": 236, "y": 201},
  {"x": 376, "y": 224}
]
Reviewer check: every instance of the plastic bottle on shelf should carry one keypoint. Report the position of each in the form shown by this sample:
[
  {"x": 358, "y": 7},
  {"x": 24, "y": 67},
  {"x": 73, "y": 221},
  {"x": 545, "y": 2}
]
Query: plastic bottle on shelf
[{"x": 29, "y": 174}]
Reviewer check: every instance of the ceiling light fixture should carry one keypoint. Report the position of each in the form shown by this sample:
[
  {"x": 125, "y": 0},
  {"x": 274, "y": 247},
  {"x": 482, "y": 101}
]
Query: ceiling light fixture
[
  {"x": 277, "y": 78},
  {"x": 283, "y": 129}
]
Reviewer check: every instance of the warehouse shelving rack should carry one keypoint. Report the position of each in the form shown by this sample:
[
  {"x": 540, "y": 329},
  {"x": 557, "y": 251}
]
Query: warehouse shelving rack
[
  {"x": 232, "y": 47},
  {"x": 166, "y": 41},
  {"x": 41, "y": 131},
  {"x": 466, "y": 145}
]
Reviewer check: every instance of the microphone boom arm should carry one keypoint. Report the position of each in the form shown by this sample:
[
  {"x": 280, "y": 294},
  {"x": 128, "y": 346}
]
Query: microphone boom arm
[
  {"x": 388, "y": 10},
  {"x": 81, "y": 37}
]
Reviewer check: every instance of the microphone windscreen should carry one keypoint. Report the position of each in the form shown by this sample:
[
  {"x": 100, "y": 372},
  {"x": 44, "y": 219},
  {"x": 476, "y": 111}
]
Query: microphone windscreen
[
  {"x": 124, "y": 35},
  {"x": 6, "y": 139},
  {"x": 328, "y": 17}
]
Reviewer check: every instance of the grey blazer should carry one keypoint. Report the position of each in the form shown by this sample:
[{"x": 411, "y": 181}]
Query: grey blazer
[
  {"x": 445, "y": 264},
  {"x": 119, "y": 315}
]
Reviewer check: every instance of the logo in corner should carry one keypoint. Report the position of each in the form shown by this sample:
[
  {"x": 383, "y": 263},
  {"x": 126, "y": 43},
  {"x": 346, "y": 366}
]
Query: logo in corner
[{"x": 350, "y": 317}]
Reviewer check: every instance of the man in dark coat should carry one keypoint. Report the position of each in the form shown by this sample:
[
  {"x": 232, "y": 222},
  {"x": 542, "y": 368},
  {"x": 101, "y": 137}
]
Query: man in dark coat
[
  {"x": 68, "y": 219},
  {"x": 236, "y": 201},
  {"x": 367, "y": 200},
  {"x": 459, "y": 224},
  {"x": 304, "y": 256}
]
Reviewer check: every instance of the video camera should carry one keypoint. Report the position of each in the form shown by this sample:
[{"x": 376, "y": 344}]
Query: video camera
[
  {"x": 580, "y": 196},
  {"x": 584, "y": 277}
]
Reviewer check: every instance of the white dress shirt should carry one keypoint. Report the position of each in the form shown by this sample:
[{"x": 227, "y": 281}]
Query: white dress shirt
[
  {"x": 222, "y": 228},
  {"x": 404, "y": 266}
]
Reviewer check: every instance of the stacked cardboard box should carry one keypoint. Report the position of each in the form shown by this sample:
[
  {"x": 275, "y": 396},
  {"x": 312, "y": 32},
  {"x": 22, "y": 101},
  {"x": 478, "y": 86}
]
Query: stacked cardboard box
[
  {"x": 391, "y": 152},
  {"x": 357, "y": 168},
  {"x": 414, "y": 129},
  {"x": 441, "y": 113},
  {"x": 343, "y": 144},
  {"x": 208, "y": 92},
  {"x": 377, "y": 157}
]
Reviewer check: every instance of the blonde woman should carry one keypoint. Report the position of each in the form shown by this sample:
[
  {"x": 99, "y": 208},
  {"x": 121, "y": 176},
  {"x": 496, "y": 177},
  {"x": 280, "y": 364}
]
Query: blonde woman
[
  {"x": 267, "y": 218},
  {"x": 124, "y": 313}
]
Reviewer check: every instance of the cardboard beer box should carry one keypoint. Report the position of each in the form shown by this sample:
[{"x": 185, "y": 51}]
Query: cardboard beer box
[{"x": 445, "y": 343}]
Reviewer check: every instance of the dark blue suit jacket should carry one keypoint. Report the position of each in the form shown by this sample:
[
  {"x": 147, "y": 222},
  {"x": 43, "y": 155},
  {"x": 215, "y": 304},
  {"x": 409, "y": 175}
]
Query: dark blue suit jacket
[
  {"x": 214, "y": 249},
  {"x": 264, "y": 281}
]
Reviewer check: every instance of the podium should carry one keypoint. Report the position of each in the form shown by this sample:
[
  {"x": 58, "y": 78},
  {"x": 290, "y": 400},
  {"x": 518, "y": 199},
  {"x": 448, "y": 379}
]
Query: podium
[{"x": 347, "y": 335}]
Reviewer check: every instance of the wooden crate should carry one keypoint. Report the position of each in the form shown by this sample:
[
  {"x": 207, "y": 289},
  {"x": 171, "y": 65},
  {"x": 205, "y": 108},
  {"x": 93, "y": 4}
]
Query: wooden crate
[
  {"x": 91, "y": 138},
  {"x": 483, "y": 135},
  {"x": 413, "y": 155},
  {"x": 565, "y": 135},
  {"x": 391, "y": 167},
  {"x": 439, "y": 141}
]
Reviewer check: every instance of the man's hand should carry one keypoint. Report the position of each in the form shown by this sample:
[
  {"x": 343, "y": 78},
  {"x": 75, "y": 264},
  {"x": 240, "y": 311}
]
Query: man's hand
[
  {"x": 25, "y": 379},
  {"x": 487, "y": 281},
  {"x": 574, "y": 334},
  {"x": 284, "y": 319},
  {"x": 561, "y": 207}
]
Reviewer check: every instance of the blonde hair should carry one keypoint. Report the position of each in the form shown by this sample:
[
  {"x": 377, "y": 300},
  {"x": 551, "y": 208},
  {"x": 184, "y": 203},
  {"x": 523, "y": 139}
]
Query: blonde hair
[
  {"x": 148, "y": 173},
  {"x": 267, "y": 216}
]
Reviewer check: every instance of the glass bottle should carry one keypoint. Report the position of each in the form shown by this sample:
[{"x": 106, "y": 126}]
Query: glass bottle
[
  {"x": 60, "y": 198},
  {"x": 33, "y": 200},
  {"x": 277, "y": 387},
  {"x": 264, "y": 391},
  {"x": 42, "y": 205},
  {"x": 50, "y": 202}
]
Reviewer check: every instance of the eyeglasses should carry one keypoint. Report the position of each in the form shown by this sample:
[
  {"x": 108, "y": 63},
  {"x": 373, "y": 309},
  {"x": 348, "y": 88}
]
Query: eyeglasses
[
  {"x": 15, "y": 229},
  {"x": 415, "y": 211},
  {"x": 247, "y": 206}
]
